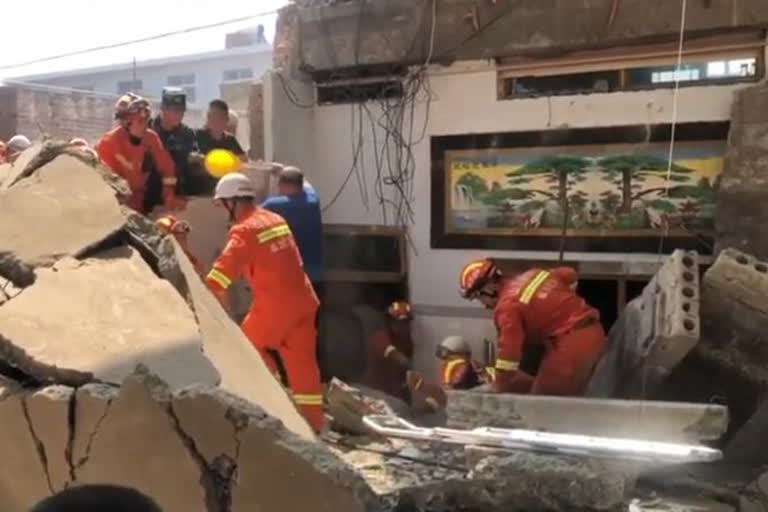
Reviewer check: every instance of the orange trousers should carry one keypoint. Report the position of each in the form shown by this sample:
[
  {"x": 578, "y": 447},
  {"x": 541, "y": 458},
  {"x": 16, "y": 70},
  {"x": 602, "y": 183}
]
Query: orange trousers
[
  {"x": 295, "y": 342},
  {"x": 568, "y": 365}
]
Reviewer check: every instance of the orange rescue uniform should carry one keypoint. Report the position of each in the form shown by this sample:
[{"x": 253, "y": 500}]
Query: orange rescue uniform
[
  {"x": 543, "y": 303},
  {"x": 127, "y": 159},
  {"x": 384, "y": 373},
  {"x": 282, "y": 314},
  {"x": 463, "y": 373}
]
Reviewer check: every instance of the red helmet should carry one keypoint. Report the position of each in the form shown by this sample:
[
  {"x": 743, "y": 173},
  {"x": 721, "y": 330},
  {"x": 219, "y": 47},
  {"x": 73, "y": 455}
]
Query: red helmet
[
  {"x": 475, "y": 275},
  {"x": 399, "y": 310},
  {"x": 171, "y": 225},
  {"x": 131, "y": 106}
]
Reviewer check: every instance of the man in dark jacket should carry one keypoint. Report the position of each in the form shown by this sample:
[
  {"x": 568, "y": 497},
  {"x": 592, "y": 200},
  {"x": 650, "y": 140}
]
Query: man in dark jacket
[{"x": 180, "y": 141}]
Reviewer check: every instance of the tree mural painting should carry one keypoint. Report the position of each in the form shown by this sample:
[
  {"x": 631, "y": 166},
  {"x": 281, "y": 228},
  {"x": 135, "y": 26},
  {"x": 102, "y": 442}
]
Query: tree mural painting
[
  {"x": 628, "y": 172},
  {"x": 558, "y": 171}
]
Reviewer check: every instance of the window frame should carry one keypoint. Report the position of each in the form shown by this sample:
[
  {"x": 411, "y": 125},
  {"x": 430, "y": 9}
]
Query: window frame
[
  {"x": 181, "y": 83},
  {"x": 624, "y": 60},
  {"x": 239, "y": 78}
]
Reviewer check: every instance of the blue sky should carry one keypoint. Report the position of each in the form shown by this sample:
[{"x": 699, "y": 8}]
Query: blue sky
[{"x": 34, "y": 29}]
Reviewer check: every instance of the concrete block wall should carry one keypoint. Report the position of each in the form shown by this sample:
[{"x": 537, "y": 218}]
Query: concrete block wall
[
  {"x": 742, "y": 211},
  {"x": 655, "y": 332}
]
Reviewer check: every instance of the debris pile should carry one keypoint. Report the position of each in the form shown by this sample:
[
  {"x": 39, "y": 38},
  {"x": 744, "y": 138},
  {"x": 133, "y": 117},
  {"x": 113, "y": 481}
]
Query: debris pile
[{"x": 118, "y": 366}]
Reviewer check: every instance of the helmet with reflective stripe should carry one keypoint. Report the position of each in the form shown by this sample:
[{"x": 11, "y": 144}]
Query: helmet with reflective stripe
[
  {"x": 169, "y": 224},
  {"x": 234, "y": 185},
  {"x": 399, "y": 310},
  {"x": 131, "y": 105},
  {"x": 475, "y": 275}
]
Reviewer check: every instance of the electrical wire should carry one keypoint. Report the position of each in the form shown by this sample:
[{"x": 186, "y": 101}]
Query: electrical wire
[
  {"x": 136, "y": 41},
  {"x": 673, "y": 131}
]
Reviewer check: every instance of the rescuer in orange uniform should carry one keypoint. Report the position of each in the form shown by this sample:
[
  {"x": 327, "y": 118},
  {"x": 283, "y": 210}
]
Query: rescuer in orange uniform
[
  {"x": 457, "y": 368},
  {"x": 389, "y": 353},
  {"x": 179, "y": 229},
  {"x": 123, "y": 149},
  {"x": 282, "y": 314},
  {"x": 545, "y": 304}
]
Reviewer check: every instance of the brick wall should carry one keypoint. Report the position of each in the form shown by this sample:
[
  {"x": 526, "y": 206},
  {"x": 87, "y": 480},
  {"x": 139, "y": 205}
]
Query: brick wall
[{"x": 62, "y": 114}]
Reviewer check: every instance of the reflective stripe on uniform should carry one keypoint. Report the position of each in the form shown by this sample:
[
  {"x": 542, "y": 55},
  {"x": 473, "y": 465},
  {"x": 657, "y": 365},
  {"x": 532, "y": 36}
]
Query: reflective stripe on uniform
[
  {"x": 531, "y": 288},
  {"x": 272, "y": 233},
  {"x": 308, "y": 399},
  {"x": 507, "y": 365},
  {"x": 219, "y": 278},
  {"x": 169, "y": 182},
  {"x": 449, "y": 370}
]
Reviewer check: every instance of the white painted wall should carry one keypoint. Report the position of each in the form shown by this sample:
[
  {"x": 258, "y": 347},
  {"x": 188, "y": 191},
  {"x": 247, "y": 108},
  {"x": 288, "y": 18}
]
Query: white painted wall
[
  {"x": 209, "y": 74},
  {"x": 465, "y": 101}
]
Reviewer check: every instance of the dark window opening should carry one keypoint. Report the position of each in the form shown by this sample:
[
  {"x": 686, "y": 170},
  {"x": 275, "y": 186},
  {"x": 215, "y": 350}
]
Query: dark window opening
[
  {"x": 359, "y": 93},
  {"x": 601, "y": 294},
  {"x": 577, "y": 83},
  {"x": 712, "y": 69}
]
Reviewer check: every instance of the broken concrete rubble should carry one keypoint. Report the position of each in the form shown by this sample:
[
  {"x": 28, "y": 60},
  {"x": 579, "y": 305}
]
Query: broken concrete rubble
[
  {"x": 72, "y": 220},
  {"x": 735, "y": 320},
  {"x": 143, "y": 436},
  {"x": 98, "y": 319},
  {"x": 653, "y": 334},
  {"x": 650, "y": 420}
]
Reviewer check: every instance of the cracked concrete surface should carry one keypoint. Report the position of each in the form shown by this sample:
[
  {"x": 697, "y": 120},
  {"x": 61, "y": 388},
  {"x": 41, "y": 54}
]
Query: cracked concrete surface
[
  {"x": 72, "y": 220},
  {"x": 194, "y": 450},
  {"x": 23, "y": 478},
  {"x": 48, "y": 412},
  {"x": 98, "y": 319}
]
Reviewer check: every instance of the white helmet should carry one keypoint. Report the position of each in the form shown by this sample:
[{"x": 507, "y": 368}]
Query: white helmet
[
  {"x": 455, "y": 344},
  {"x": 234, "y": 185}
]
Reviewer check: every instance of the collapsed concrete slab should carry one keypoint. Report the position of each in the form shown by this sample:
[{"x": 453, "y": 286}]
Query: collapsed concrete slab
[
  {"x": 48, "y": 411},
  {"x": 653, "y": 334},
  {"x": 243, "y": 373},
  {"x": 98, "y": 319},
  {"x": 64, "y": 210},
  {"x": 23, "y": 473},
  {"x": 196, "y": 450},
  {"x": 734, "y": 348},
  {"x": 651, "y": 420}
]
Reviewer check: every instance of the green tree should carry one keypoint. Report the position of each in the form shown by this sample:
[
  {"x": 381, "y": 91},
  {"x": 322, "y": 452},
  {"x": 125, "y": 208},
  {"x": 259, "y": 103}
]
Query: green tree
[
  {"x": 626, "y": 170},
  {"x": 475, "y": 183},
  {"x": 557, "y": 170}
]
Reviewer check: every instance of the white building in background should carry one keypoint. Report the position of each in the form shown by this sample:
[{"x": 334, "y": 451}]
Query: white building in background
[{"x": 246, "y": 57}]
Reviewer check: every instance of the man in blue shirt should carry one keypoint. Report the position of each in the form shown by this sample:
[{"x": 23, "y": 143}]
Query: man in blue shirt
[{"x": 298, "y": 204}]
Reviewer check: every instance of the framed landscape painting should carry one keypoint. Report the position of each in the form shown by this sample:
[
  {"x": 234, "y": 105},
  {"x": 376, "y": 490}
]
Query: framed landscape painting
[{"x": 601, "y": 189}]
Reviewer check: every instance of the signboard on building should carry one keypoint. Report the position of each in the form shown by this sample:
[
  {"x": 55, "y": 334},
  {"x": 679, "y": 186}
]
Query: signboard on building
[{"x": 603, "y": 193}]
